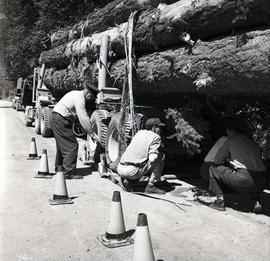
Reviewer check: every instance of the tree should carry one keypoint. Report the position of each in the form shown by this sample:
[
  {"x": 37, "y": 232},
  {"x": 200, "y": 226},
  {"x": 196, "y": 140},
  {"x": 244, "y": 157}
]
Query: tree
[{"x": 30, "y": 24}]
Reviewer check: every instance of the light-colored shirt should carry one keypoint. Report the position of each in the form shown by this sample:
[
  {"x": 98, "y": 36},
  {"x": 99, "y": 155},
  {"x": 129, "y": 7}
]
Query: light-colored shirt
[
  {"x": 241, "y": 149},
  {"x": 210, "y": 157},
  {"x": 143, "y": 143},
  {"x": 74, "y": 103}
]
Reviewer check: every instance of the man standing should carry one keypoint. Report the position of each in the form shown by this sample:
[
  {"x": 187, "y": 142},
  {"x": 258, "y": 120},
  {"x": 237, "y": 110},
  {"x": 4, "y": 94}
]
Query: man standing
[
  {"x": 143, "y": 157},
  {"x": 62, "y": 118},
  {"x": 238, "y": 166}
]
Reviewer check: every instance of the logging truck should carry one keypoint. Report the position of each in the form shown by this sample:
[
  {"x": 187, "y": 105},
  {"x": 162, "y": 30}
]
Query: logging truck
[
  {"x": 114, "y": 121},
  {"x": 42, "y": 105}
]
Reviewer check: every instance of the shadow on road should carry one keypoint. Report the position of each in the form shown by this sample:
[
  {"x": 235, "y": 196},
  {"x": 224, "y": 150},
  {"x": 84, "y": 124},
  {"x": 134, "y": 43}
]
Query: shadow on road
[
  {"x": 189, "y": 173},
  {"x": 83, "y": 171}
]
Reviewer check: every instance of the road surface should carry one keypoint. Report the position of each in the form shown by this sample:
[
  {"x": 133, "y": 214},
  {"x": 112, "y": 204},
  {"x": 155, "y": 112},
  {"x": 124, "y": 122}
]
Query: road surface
[{"x": 31, "y": 229}]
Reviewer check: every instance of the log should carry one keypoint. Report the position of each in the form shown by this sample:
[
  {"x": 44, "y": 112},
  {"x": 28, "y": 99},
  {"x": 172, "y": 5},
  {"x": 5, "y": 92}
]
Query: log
[
  {"x": 232, "y": 65},
  {"x": 62, "y": 81},
  {"x": 55, "y": 57},
  {"x": 60, "y": 37},
  {"x": 161, "y": 27},
  {"x": 99, "y": 20}
]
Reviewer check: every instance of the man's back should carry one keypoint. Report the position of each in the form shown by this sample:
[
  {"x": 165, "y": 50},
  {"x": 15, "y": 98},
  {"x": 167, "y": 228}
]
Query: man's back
[
  {"x": 66, "y": 106},
  {"x": 240, "y": 148},
  {"x": 247, "y": 152},
  {"x": 142, "y": 144}
]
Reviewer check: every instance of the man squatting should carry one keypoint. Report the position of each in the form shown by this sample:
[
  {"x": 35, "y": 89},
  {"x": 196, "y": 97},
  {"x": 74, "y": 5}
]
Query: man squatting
[{"x": 143, "y": 157}]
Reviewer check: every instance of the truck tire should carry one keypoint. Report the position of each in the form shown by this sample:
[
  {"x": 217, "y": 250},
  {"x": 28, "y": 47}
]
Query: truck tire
[
  {"x": 17, "y": 106},
  {"x": 38, "y": 119},
  {"x": 98, "y": 123},
  {"x": 99, "y": 126},
  {"x": 113, "y": 148},
  {"x": 28, "y": 123},
  {"x": 45, "y": 127}
]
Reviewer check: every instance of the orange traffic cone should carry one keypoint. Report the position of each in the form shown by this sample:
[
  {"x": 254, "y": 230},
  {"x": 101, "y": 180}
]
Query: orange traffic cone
[
  {"x": 143, "y": 250},
  {"x": 60, "y": 195},
  {"x": 43, "y": 171},
  {"x": 33, "y": 151},
  {"x": 116, "y": 234}
]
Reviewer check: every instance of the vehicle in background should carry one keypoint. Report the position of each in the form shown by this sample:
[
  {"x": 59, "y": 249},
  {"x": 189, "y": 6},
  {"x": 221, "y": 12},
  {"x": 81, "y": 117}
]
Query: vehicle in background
[
  {"x": 16, "y": 101},
  {"x": 42, "y": 105}
]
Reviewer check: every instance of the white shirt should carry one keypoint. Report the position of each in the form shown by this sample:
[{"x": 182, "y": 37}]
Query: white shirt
[
  {"x": 143, "y": 143},
  {"x": 74, "y": 103}
]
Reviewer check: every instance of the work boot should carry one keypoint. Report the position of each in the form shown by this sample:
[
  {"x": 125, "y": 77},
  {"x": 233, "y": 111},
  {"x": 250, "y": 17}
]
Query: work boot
[
  {"x": 257, "y": 208},
  {"x": 152, "y": 189},
  {"x": 127, "y": 185},
  {"x": 72, "y": 175},
  {"x": 218, "y": 204}
]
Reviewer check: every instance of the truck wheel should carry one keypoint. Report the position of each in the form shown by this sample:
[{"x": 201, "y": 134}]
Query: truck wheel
[
  {"x": 114, "y": 149},
  {"x": 38, "y": 119},
  {"x": 17, "y": 106},
  {"x": 45, "y": 127},
  {"x": 28, "y": 123},
  {"x": 99, "y": 127}
]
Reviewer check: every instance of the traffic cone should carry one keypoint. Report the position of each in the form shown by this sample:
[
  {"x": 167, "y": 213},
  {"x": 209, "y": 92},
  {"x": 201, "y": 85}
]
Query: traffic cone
[
  {"x": 60, "y": 195},
  {"x": 116, "y": 234},
  {"x": 142, "y": 250},
  {"x": 43, "y": 171},
  {"x": 33, "y": 151}
]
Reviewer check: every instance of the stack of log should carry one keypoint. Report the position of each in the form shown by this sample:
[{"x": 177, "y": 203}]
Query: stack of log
[{"x": 228, "y": 51}]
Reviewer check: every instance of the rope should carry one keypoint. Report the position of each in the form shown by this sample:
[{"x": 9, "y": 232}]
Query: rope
[
  {"x": 163, "y": 199},
  {"x": 106, "y": 68},
  {"x": 129, "y": 64},
  {"x": 178, "y": 205}
]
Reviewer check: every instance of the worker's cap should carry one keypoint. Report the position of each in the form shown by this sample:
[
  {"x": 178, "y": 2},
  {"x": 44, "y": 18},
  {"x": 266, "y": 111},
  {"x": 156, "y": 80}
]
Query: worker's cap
[
  {"x": 154, "y": 122},
  {"x": 92, "y": 88}
]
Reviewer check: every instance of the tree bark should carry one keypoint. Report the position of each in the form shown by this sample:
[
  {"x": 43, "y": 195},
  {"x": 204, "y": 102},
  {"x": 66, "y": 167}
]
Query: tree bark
[
  {"x": 159, "y": 28},
  {"x": 99, "y": 20},
  {"x": 232, "y": 65},
  {"x": 55, "y": 57}
]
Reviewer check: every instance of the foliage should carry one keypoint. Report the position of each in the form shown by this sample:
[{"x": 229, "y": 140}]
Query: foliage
[
  {"x": 186, "y": 133},
  {"x": 258, "y": 119},
  {"x": 254, "y": 113},
  {"x": 240, "y": 11},
  {"x": 30, "y": 25}
]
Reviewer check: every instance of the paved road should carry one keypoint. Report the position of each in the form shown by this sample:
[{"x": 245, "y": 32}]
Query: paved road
[
  {"x": 31, "y": 229},
  {"x": 5, "y": 104}
]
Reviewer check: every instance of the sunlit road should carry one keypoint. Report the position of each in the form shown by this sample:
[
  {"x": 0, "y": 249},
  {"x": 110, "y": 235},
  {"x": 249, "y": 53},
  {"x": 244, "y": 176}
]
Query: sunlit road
[{"x": 31, "y": 229}]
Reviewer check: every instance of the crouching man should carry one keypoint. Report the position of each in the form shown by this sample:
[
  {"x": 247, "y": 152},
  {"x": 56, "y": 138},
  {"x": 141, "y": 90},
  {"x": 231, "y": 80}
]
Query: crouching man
[
  {"x": 143, "y": 157},
  {"x": 238, "y": 166}
]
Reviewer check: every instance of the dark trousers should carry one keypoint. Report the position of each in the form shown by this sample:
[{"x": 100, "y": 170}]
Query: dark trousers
[
  {"x": 66, "y": 142},
  {"x": 204, "y": 170},
  {"x": 223, "y": 178}
]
